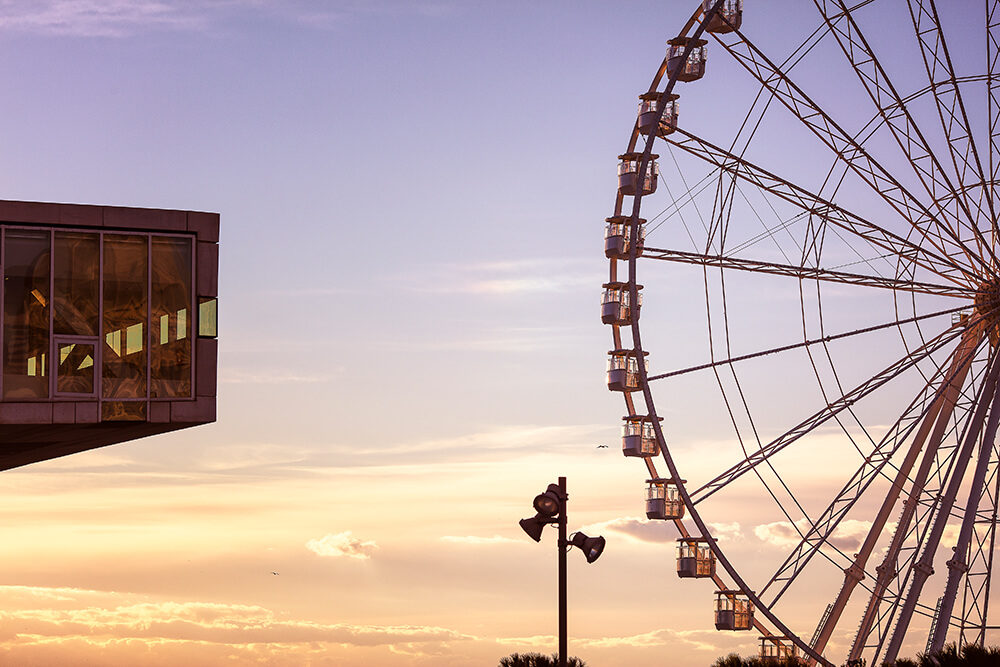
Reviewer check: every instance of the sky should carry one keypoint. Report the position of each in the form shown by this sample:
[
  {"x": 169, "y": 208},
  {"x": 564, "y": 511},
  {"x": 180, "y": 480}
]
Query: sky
[{"x": 412, "y": 196}]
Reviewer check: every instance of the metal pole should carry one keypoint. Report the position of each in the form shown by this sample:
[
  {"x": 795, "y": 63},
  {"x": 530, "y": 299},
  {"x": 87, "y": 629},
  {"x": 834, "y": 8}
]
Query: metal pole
[{"x": 562, "y": 572}]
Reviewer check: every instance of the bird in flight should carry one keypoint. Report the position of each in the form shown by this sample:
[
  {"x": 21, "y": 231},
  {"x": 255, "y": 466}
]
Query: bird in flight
[
  {"x": 602, "y": 446},
  {"x": 274, "y": 573}
]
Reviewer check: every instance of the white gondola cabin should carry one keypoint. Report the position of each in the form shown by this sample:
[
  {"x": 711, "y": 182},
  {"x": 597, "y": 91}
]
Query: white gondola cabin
[
  {"x": 638, "y": 437},
  {"x": 776, "y": 649},
  {"x": 690, "y": 67},
  {"x": 629, "y": 182},
  {"x": 729, "y": 16},
  {"x": 649, "y": 113},
  {"x": 694, "y": 558},
  {"x": 663, "y": 501},
  {"x": 617, "y": 237},
  {"x": 623, "y": 370},
  {"x": 733, "y": 611},
  {"x": 616, "y": 307}
]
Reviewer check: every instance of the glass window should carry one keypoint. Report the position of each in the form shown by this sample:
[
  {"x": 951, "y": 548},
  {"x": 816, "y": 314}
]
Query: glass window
[
  {"x": 171, "y": 298},
  {"x": 208, "y": 317},
  {"x": 75, "y": 374},
  {"x": 75, "y": 286},
  {"x": 26, "y": 315},
  {"x": 123, "y": 368},
  {"x": 123, "y": 411}
]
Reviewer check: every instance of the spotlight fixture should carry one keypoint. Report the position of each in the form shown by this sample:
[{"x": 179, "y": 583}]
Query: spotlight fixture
[
  {"x": 547, "y": 503},
  {"x": 533, "y": 527},
  {"x": 592, "y": 547}
]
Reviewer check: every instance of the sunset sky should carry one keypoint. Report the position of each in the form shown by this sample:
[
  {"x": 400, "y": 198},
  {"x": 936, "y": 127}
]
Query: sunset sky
[{"x": 412, "y": 196}]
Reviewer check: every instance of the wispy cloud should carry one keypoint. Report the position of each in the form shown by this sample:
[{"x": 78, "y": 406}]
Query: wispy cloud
[
  {"x": 342, "y": 545},
  {"x": 644, "y": 530},
  {"x": 847, "y": 536},
  {"x": 99, "y": 18},
  {"x": 122, "y": 18},
  {"x": 639, "y": 530},
  {"x": 194, "y": 621},
  {"x": 506, "y": 339},
  {"x": 692, "y": 639},
  {"x": 525, "y": 276},
  {"x": 478, "y": 541},
  {"x": 504, "y": 440},
  {"x": 271, "y": 377}
]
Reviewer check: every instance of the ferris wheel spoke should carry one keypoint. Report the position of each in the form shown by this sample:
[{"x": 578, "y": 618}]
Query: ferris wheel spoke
[
  {"x": 989, "y": 402},
  {"x": 911, "y": 141},
  {"x": 805, "y": 343},
  {"x": 941, "y": 265},
  {"x": 804, "y": 272},
  {"x": 833, "y": 408},
  {"x": 993, "y": 98},
  {"x": 951, "y": 110},
  {"x": 922, "y": 410},
  {"x": 943, "y": 237}
]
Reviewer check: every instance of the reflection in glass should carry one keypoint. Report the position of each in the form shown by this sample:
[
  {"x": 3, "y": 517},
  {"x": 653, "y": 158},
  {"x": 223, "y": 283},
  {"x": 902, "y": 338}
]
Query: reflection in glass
[
  {"x": 75, "y": 286},
  {"x": 208, "y": 317},
  {"x": 123, "y": 411},
  {"x": 75, "y": 374},
  {"x": 26, "y": 315},
  {"x": 123, "y": 372},
  {"x": 170, "y": 352}
]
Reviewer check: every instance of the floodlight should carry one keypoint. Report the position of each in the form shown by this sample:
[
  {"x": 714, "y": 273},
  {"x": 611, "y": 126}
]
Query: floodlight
[
  {"x": 533, "y": 527},
  {"x": 548, "y": 503},
  {"x": 592, "y": 547}
]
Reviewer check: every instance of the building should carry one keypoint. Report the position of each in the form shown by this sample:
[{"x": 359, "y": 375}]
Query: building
[{"x": 108, "y": 330}]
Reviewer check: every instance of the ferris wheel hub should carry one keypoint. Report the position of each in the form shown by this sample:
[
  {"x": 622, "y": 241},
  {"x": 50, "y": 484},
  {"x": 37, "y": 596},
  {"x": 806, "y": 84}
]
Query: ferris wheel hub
[{"x": 988, "y": 307}]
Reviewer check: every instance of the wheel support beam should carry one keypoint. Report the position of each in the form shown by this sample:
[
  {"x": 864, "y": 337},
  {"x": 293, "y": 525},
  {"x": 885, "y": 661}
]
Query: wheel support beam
[
  {"x": 924, "y": 568},
  {"x": 933, "y": 425}
]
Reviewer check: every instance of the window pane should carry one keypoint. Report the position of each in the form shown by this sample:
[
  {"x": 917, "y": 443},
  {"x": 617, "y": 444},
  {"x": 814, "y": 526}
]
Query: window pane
[
  {"x": 76, "y": 368},
  {"x": 124, "y": 364},
  {"x": 26, "y": 315},
  {"x": 170, "y": 352},
  {"x": 75, "y": 286},
  {"x": 208, "y": 317},
  {"x": 123, "y": 411}
]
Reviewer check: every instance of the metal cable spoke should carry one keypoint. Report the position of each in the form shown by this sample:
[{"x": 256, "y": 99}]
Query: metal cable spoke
[
  {"x": 951, "y": 109},
  {"x": 941, "y": 265},
  {"x": 803, "y": 428},
  {"x": 853, "y": 154},
  {"x": 805, "y": 273}
]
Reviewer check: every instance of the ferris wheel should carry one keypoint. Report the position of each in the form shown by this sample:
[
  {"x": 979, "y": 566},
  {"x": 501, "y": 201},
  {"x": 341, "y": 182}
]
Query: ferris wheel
[{"x": 818, "y": 348}]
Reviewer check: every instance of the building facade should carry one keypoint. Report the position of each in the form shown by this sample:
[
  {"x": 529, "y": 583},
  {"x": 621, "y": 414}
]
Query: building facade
[{"x": 109, "y": 325}]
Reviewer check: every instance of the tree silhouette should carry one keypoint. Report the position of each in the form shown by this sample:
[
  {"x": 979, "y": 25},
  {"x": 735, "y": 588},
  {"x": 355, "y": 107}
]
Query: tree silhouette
[
  {"x": 970, "y": 655},
  {"x": 538, "y": 660}
]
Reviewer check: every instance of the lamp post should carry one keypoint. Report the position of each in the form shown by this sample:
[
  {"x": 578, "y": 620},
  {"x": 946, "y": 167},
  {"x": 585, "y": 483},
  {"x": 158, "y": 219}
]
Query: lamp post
[{"x": 550, "y": 507}]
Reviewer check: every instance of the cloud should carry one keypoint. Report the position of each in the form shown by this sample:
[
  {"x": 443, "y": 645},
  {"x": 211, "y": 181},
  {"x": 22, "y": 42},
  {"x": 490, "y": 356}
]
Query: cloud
[
  {"x": 526, "y": 276},
  {"x": 639, "y": 530},
  {"x": 847, "y": 537},
  {"x": 200, "y": 622},
  {"x": 506, "y": 339},
  {"x": 726, "y": 531},
  {"x": 275, "y": 377},
  {"x": 342, "y": 544},
  {"x": 479, "y": 541},
  {"x": 644, "y": 530},
  {"x": 701, "y": 640},
  {"x": 96, "y": 18}
]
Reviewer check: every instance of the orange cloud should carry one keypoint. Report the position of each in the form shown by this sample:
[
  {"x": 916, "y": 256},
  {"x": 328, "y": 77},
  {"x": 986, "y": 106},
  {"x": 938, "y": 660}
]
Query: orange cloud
[{"x": 342, "y": 544}]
